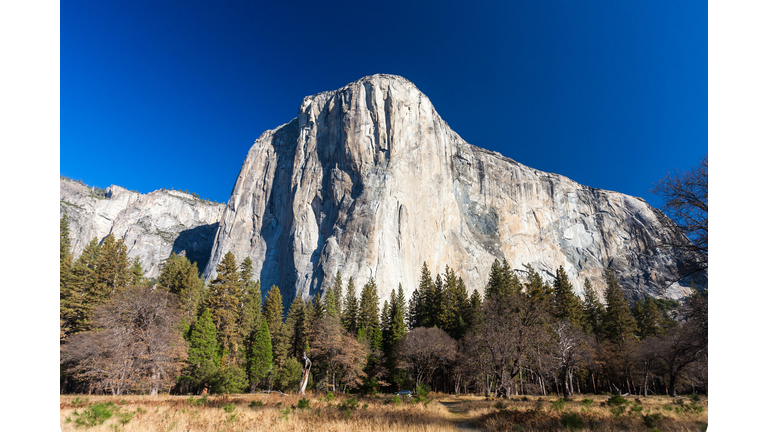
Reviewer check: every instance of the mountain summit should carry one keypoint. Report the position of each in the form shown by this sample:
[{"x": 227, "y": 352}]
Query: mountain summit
[{"x": 368, "y": 180}]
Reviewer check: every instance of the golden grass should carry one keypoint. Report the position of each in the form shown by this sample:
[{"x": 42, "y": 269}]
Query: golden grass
[
  {"x": 540, "y": 414},
  {"x": 532, "y": 413},
  {"x": 177, "y": 413}
]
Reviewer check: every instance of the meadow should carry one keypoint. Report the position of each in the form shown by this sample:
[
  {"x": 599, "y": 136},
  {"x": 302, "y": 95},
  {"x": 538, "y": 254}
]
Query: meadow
[{"x": 343, "y": 413}]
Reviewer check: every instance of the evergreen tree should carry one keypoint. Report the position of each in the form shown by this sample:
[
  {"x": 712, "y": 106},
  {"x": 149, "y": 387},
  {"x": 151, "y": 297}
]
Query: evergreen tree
[
  {"x": 65, "y": 275},
  {"x": 618, "y": 323},
  {"x": 436, "y": 304},
  {"x": 349, "y": 317},
  {"x": 298, "y": 328},
  {"x": 330, "y": 302},
  {"x": 180, "y": 278},
  {"x": 250, "y": 305},
  {"x": 137, "y": 273},
  {"x": 593, "y": 310},
  {"x": 112, "y": 269},
  {"x": 500, "y": 281},
  {"x": 369, "y": 313},
  {"x": 203, "y": 354},
  {"x": 224, "y": 298},
  {"x": 422, "y": 307},
  {"x": 77, "y": 300},
  {"x": 475, "y": 316},
  {"x": 457, "y": 305},
  {"x": 338, "y": 288},
  {"x": 567, "y": 305},
  {"x": 274, "y": 313},
  {"x": 650, "y": 322},
  {"x": 259, "y": 360},
  {"x": 413, "y": 310}
]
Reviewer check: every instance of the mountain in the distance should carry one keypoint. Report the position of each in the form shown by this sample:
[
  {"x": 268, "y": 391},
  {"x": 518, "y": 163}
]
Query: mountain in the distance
[{"x": 368, "y": 180}]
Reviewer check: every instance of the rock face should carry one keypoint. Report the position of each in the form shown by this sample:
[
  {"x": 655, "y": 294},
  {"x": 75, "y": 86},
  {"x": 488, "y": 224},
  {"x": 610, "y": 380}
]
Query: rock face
[
  {"x": 370, "y": 181},
  {"x": 152, "y": 225}
]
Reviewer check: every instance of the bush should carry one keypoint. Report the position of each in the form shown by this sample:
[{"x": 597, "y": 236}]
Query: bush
[
  {"x": 256, "y": 404},
  {"x": 558, "y": 405},
  {"x": 499, "y": 405},
  {"x": 653, "y": 420},
  {"x": 349, "y": 404},
  {"x": 617, "y": 400},
  {"x": 694, "y": 397},
  {"x": 423, "y": 390},
  {"x": 329, "y": 397},
  {"x": 572, "y": 421},
  {"x": 95, "y": 415},
  {"x": 303, "y": 403},
  {"x": 587, "y": 403},
  {"x": 230, "y": 407},
  {"x": 395, "y": 401}
]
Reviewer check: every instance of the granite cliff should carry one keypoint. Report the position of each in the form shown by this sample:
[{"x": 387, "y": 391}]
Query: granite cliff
[
  {"x": 152, "y": 225},
  {"x": 370, "y": 181}
]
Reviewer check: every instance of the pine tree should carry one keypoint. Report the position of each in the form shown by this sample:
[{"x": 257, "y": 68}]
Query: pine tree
[
  {"x": 500, "y": 281},
  {"x": 475, "y": 317},
  {"x": 648, "y": 318},
  {"x": 349, "y": 317},
  {"x": 436, "y": 304},
  {"x": 567, "y": 305},
  {"x": 77, "y": 300},
  {"x": 457, "y": 305},
  {"x": 330, "y": 302},
  {"x": 369, "y": 313},
  {"x": 426, "y": 292},
  {"x": 180, "y": 278},
  {"x": 223, "y": 300},
  {"x": 298, "y": 328},
  {"x": 593, "y": 310},
  {"x": 250, "y": 313},
  {"x": 204, "y": 351},
  {"x": 112, "y": 269},
  {"x": 137, "y": 273},
  {"x": 618, "y": 323},
  {"x": 259, "y": 359},
  {"x": 338, "y": 288},
  {"x": 414, "y": 307},
  {"x": 274, "y": 313},
  {"x": 65, "y": 275}
]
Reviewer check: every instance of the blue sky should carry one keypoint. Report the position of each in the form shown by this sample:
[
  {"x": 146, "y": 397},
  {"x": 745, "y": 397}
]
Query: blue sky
[{"x": 173, "y": 94}]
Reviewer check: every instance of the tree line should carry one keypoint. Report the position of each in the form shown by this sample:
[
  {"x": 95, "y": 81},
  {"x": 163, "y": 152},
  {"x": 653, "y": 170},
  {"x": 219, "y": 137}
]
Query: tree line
[{"x": 121, "y": 333}]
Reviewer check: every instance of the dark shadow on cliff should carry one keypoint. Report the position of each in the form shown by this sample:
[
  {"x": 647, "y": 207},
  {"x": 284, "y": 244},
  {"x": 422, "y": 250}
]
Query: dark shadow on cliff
[{"x": 196, "y": 244}]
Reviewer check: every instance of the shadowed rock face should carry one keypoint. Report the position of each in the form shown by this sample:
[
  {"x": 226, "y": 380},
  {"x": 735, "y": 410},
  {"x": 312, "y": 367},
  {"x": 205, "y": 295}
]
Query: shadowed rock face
[
  {"x": 152, "y": 225},
  {"x": 370, "y": 181}
]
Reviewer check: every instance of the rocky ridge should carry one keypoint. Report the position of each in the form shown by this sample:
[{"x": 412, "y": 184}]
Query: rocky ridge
[
  {"x": 370, "y": 181},
  {"x": 152, "y": 225}
]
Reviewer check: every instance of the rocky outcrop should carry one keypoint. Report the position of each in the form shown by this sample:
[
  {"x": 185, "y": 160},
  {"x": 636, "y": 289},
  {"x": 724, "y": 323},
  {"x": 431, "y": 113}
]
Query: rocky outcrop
[
  {"x": 152, "y": 225},
  {"x": 370, "y": 181}
]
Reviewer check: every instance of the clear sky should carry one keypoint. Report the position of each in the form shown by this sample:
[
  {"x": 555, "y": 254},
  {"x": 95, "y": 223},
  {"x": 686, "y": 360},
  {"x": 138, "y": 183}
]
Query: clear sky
[{"x": 612, "y": 94}]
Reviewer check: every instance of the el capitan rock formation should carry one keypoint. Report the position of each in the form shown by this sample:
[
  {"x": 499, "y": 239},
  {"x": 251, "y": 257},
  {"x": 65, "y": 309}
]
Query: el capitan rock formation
[{"x": 370, "y": 181}]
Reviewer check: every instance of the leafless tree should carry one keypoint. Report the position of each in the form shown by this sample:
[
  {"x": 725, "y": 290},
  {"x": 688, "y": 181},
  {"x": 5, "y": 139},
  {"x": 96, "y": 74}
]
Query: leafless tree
[
  {"x": 425, "y": 350},
  {"x": 137, "y": 345},
  {"x": 569, "y": 349},
  {"x": 685, "y": 201}
]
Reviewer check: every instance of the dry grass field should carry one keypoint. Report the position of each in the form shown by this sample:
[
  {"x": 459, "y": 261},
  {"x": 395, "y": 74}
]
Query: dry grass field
[
  {"x": 257, "y": 412},
  {"x": 262, "y": 412}
]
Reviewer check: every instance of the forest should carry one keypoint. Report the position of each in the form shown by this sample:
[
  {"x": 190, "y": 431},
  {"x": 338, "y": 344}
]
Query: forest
[{"x": 123, "y": 334}]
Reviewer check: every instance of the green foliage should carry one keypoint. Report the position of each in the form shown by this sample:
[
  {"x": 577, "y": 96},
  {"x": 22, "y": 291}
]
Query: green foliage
[
  {"x": 298, "y": 327},
  {"x": 224, "y": 297},
  {"x": 229, "y": 408},
  {"x": 572, "y": 421},
  {"x": 289, "y": 376},
  {"x": 499, "y": 405},
  {"x": 229, "y": 380},
  {"x": 653, "y": 420},
  {"x": 349, "y": 404},
  {"x": 567, "y": 305},
  {"x": 349, "y": 316},
  {"x": 273, "y": 312},
  {"x": 285, "y": 413},
  {"x": 618, "y": 324},
  {"x": 369, "y": 312},
  {"x": 616, "y": 400},
  {"x": 180, "y": 278},
  {"x": 203, "y": 353},
  {"x": 256, "y": 404},
  {"x": 593, "y": 312},
  {"x": 558, "y": 405},
  {"x": 303, "y": 403},
  {"x": 96, "y": 415},
  {"x": 259, "y": 356},
  {"x": 395, "y": 401}
]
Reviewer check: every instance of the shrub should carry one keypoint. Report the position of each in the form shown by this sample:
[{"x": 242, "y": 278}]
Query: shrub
[
  {"x": 558, "y": 405},
  {"x": 499, "y": 405},
  {"x": 423, "y": 390},
  {"x": 616, "y": 400},
  {"x": 637, "y": 409},
  {"x": 256, "y": 404},
  {"x": 349, "y": 404},
  {"x": 230, "y": 407},
  {"x": 303, "y": 403},
  {"x": 329, "y": 397},
  {"x": 694, "y": 397},
  {"x": 618, "y": 410},
  {"x": 653, "y": 420},
  {"x": 587, "y": 403},
  {"x": 284, "y": 414},
  {"x": 572, "y": 421},
  {"x": 395, "y": 400},
  {"x": 95, "y": 415}
]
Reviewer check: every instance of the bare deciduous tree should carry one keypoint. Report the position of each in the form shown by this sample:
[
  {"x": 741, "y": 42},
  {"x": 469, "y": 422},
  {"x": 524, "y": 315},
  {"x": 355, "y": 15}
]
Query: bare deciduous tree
[
  {"x": 425, "y": 350},
  {"x": 685, "y": 201},
  {"x": 137, "y": 346},
  {"x": 340, "y": 355}
]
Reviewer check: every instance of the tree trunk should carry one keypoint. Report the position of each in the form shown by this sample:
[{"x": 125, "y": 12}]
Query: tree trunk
[
  {"x": 672, "y": 383},
  {"x": 304, "y": 375}
]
